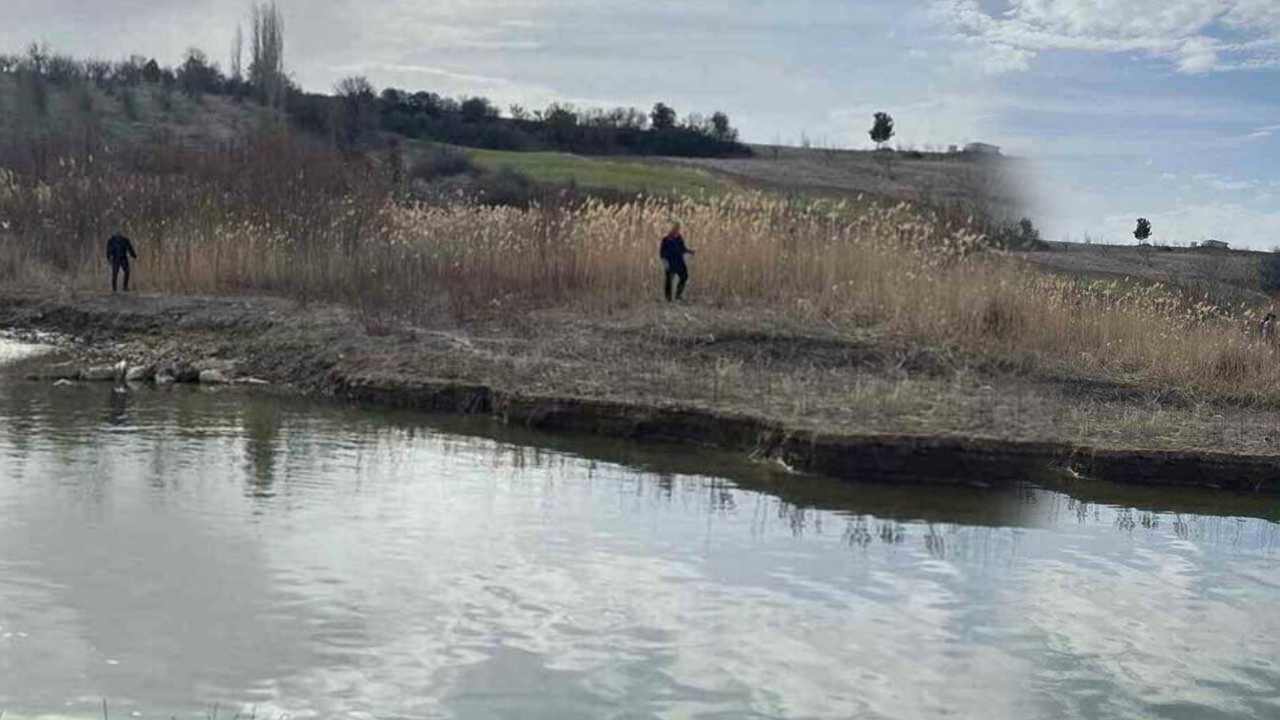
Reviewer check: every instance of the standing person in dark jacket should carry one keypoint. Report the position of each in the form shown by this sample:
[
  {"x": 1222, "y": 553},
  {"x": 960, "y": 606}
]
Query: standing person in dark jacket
[
  {"x": 119, "y": 250},
  {"x": 672, "y": 253}
]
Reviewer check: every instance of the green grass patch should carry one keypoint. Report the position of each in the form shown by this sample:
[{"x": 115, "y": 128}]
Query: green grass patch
[{"x": 589, "y": 172}]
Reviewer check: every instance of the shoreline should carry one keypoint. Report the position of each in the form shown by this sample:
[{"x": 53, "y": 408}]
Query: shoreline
[
  {"x": 882, "y": 457},
  {"x": 316, "y": 351}
]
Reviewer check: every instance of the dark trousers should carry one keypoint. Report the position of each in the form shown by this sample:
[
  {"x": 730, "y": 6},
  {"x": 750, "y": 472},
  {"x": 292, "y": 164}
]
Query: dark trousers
[
  {"x": 675, "y": 272},
  {"x": 116, "y": 267}
]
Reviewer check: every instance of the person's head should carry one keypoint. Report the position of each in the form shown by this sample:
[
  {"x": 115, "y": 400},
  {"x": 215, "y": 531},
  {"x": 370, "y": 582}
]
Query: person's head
[{"x": 675, "y": 227}]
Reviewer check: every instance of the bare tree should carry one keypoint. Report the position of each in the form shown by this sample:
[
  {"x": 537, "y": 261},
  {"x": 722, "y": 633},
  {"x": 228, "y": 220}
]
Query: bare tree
[
  {"x": 237, "y": 55},
  {"x": 358, "y": 111},
  {"x": 266, "y": 67}
]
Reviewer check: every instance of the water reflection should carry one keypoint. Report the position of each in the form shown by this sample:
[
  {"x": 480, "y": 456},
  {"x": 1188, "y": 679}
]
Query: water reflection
[
  {"x": 118, "y": 407},
  {"x": 188, "y": 547}
]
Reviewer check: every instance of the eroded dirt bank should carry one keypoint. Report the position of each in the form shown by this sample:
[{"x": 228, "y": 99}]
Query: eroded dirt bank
[{"x": 844, "y": 407}]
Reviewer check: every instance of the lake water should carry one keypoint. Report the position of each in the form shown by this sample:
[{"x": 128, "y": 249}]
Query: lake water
[{"x": 188, "y": 553}]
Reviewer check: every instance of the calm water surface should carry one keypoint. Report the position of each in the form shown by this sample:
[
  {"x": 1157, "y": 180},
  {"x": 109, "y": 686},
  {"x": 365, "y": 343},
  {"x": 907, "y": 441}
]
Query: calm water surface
[{"x": 181, "y": 551}]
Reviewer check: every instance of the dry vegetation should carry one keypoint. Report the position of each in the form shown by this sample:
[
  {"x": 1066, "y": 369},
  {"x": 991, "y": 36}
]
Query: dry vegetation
[
  {"x": 277, "y": 215},
  {"x": 1229, "y": 277}
]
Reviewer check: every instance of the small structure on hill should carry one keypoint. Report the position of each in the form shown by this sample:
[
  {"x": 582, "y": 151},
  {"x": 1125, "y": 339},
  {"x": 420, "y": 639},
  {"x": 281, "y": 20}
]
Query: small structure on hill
[
  {"x": 981, "y": 148},
  {"x": 1215, "y": 245}
]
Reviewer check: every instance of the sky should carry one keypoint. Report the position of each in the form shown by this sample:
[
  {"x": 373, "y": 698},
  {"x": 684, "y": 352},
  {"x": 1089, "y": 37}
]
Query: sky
[{"x": 1125, "y": 108}]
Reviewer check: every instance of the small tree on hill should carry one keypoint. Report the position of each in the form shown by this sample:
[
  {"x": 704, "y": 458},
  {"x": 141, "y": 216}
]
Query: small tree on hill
[
  {"x": 562, "y": 121},
  {"x": 151, "y": 71},
  {"x": 662, "y": 117},
  {"x": 1028, "y": 235},
  {"x": 197, "y": 76},
  {"x": 477, "y": 109},
  {"x": 721, "y": 129},
  {"x": 357, "y": 110},
  {"x": 266, "y": 53},
  {"x": 882, "y": 129},
  {"x": 237, "y": 55},
  {"x": 1144, "y": 230}
]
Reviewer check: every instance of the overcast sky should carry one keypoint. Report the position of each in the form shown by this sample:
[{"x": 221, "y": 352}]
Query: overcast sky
[{"x": 1160, "y": 108}]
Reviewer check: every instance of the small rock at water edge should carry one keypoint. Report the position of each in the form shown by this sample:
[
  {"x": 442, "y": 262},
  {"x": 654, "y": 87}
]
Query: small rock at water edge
[
  {"x": 139, "y": 374},
  {"x": 213, "y": 377}
]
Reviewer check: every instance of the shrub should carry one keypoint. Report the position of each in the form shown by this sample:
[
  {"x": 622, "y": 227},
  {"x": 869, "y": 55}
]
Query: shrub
[
  {"x": 84, "y": 99},
  {"x": 129, "y": 102},
  {"x": 36, "y": 91},
  {"x": 508, "y": 187},
  {"x": 1269, "y": 272},
  {"x": 440, "y": 162}
]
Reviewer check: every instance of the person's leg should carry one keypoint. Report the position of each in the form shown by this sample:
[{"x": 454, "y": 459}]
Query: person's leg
[
  {"x": 115, "y": 274},
  {"x": 684, "y": 280},
  {"x": 125, "y": 267},
  {"x": 666, "y": 285}
]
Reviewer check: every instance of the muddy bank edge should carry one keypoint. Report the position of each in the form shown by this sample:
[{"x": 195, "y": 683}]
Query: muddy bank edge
[
  {"x": 882, "y": 457},
  {"x": 307, "y": 363}
]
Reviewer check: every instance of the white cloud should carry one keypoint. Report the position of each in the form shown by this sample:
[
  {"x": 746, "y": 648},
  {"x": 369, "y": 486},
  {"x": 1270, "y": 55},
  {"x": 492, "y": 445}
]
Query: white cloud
[
  {"x": 1194, "y": 36},
  {"x": 1198, "y": 55},
  {"x": 410, "y": 69},
  {"x": 1224, "y": 183},
  {"x": 1263, "y": 132},
  {"x": 500, "y": 90}
]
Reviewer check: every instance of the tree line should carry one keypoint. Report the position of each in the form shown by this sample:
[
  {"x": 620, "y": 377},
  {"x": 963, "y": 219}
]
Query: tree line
[{"x": 356, "y": 112}]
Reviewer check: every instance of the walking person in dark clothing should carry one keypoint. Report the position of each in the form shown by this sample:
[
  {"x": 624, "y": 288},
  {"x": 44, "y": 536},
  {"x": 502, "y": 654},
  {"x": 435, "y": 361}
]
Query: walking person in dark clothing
[
  {"x": 119, "y": 250},
  {"x": 672, "y": 253}
]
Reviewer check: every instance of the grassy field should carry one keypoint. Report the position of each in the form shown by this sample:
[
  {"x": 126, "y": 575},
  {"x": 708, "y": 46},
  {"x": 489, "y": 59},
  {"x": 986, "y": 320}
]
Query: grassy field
[
  {"x": 984, "y": 184},
  {"x": 607, "y": 173},
  {"x": 997, "y": 186}
]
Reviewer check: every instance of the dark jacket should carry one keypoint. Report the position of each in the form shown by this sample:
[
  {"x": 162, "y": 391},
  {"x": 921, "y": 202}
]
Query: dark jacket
[
  {"x": 119, "y": 249},
  {"x": 673, "y": 251}
]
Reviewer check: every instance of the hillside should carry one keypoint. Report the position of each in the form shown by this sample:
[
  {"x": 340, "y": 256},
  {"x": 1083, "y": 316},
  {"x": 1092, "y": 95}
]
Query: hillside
[
  {"x": 992, "y": 184},
  {"x": 1226, "y": 276},
  {"x": 150, "y": 111},
  {"x": 128, "y": 114}
]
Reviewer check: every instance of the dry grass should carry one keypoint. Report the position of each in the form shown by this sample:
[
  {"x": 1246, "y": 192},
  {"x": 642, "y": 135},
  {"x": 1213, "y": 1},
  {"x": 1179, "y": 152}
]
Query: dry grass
[
  {"x": 1234, "y": 276},
  {"x": 996, "y": 184}
]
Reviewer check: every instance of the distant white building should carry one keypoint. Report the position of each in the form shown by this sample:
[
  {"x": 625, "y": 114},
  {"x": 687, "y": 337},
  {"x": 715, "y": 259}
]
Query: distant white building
[
  {"x": 1215, "y": 245},
  {"x": 982, "y": 148}
]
